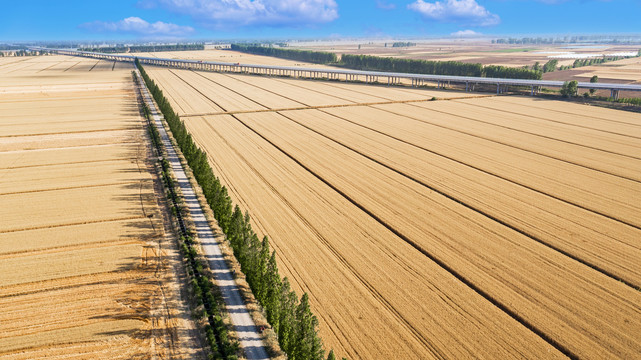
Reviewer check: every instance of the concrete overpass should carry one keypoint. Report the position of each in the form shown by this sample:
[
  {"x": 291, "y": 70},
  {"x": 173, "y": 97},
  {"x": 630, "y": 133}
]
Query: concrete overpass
[{"x": 390, "y": 78}]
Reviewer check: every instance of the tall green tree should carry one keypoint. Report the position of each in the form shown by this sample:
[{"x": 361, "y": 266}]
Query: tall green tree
[
  {"x": 261, "y": 272},
  {"x": 308, "y": 344},
  {"x": 593, "y": 79},
  {"x": 550, "y": 65},
  {"x": 287, "y": 321},
  {"x": 569, "y": 88},
  {"x": 274, "y": 285}
]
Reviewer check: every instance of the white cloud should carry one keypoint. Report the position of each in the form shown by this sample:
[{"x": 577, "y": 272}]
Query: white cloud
[
  {"x": 385, "y": 5},
  {"x": 138, "y": 26},
  {"x": 461, "y": 11},
  {"x": 465, "y": 33},
  {"x": 225, "y": 13}
]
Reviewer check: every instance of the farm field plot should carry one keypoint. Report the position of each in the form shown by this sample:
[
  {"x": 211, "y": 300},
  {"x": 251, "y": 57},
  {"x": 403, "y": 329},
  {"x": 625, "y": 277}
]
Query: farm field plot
[
  {"x": 198, "y": 93},
  {"x": 85, "y": 267},
  {"x": 520, "y": 211}
]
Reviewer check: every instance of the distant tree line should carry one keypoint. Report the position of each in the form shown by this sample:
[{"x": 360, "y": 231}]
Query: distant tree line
[
  {"x": 551, "y": 65},
  {"x": 27, "y": 53},
  {"x": 403, "y": 44},
  {"x": 455, "y": 68},
  {"x": 291, "y": 319},
  {"x": 594, "y": 61},
  {"x": 317, "y": 57},
  {"x": 600, "y": 39},
  {"x": 547, "y": 67},
  {"x": 144, "y": 48},
  {"x": 377, "y": 63}
]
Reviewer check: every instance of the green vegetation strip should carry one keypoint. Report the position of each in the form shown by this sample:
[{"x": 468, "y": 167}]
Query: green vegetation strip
[
  {"x": 318, "y": 57},
  {"x": 454, "y": 68},
  {"x": 291, "y": 319},
  {"x": 203, "y": 292},
  {"x": 377, "y": 63},
  {"x": 144, "y": 48}
]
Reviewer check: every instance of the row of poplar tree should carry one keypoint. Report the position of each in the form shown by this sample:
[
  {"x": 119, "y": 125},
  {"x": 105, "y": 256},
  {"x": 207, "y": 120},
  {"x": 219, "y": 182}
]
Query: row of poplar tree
[
  {"x": 318, "y": 57},
  {"x": 144, "y": 48},
  {"x": 291, "y": 319},
  {"x": 454, "y": 68}
]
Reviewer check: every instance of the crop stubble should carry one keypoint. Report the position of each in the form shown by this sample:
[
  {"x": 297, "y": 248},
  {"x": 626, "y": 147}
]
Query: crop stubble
[
  {"x": 518, "y": 221},
  {"x": 82, "y": 271}
]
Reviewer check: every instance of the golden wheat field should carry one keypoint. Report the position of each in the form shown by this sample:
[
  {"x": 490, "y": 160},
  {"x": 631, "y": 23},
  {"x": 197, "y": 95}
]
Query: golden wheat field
[
  {"x": 85, "y": 267},
  {"x": 471, "y": 226}
]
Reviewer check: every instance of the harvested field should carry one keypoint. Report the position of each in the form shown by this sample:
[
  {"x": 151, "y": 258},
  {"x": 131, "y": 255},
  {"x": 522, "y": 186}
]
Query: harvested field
[
  {"x": 480, "y": 226},
  {"x": 86, "y": 269}
]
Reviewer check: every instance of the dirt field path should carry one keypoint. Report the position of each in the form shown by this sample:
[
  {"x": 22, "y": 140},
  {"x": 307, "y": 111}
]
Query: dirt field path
[{"x": 243, "y": 324}]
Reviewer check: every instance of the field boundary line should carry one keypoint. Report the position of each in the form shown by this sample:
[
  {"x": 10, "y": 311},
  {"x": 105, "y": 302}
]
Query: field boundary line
[
  {"x": 223, "y": 86},
  {"x": 68, "y": 147},
  {"x": 592, "y": 116},
  {"x": 50, "y": 66},
  {"x": 74, "y": 187},
  {"x": 68, "y": 132},
  {"x": 491, "y": 173},
  {"x": 72, "y": 224},
  {"x": 525, "y": 132},
  {"x": 81, "y": 246},
  {"x": 65, "y": 163},
  {"x": 557, "y": 121},
  {"x": 72, "y": 66},
  {"x": 94, "y": 65},
  {"x": 514, "y": 146},
  {"x": 307, "y": 107},
  {"x": 70, "y": 286}
]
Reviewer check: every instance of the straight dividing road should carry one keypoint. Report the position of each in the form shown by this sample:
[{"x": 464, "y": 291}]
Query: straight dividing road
[{"x": 244, "y": 326}]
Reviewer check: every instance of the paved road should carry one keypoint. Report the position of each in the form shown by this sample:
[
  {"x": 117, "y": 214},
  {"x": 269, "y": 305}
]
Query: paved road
[{"x": 244, "y": 326}]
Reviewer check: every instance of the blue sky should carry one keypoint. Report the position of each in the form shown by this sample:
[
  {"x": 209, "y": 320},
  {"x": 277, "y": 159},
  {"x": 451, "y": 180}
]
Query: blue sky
[{"x": 28, "y": 20}]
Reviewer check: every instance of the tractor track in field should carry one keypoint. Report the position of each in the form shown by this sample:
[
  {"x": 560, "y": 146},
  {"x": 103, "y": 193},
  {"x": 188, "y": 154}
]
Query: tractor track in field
[
  {"x": 447, "y": 195},
  {"x": 71, "y": 187},
  {"x": 560, "y": 122},
  {"x": 491, "y": 173},
  {"x": 529, "y": 133},
  {"x": 74, "y": 223},
  {"x": 469, "y": 206},
  {"x": 569, "y": 113}
]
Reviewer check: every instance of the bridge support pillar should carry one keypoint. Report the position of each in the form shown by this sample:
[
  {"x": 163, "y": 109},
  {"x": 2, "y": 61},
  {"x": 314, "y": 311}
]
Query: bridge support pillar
[{"x": 614, "y": 94}]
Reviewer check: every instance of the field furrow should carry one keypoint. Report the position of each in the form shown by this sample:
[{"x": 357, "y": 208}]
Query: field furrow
[
  {"x": 86, "y": 269},
  {"x": 617, "y": 144},
  {"x": 525, "y": 277},
  {"x": 602, "y": 193},
  {"x": 479, "y": 227},
  {"x": 601, "y": 242},
  {"x": 391, "y": 282},
  {"x": 612, "y": 158}
]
